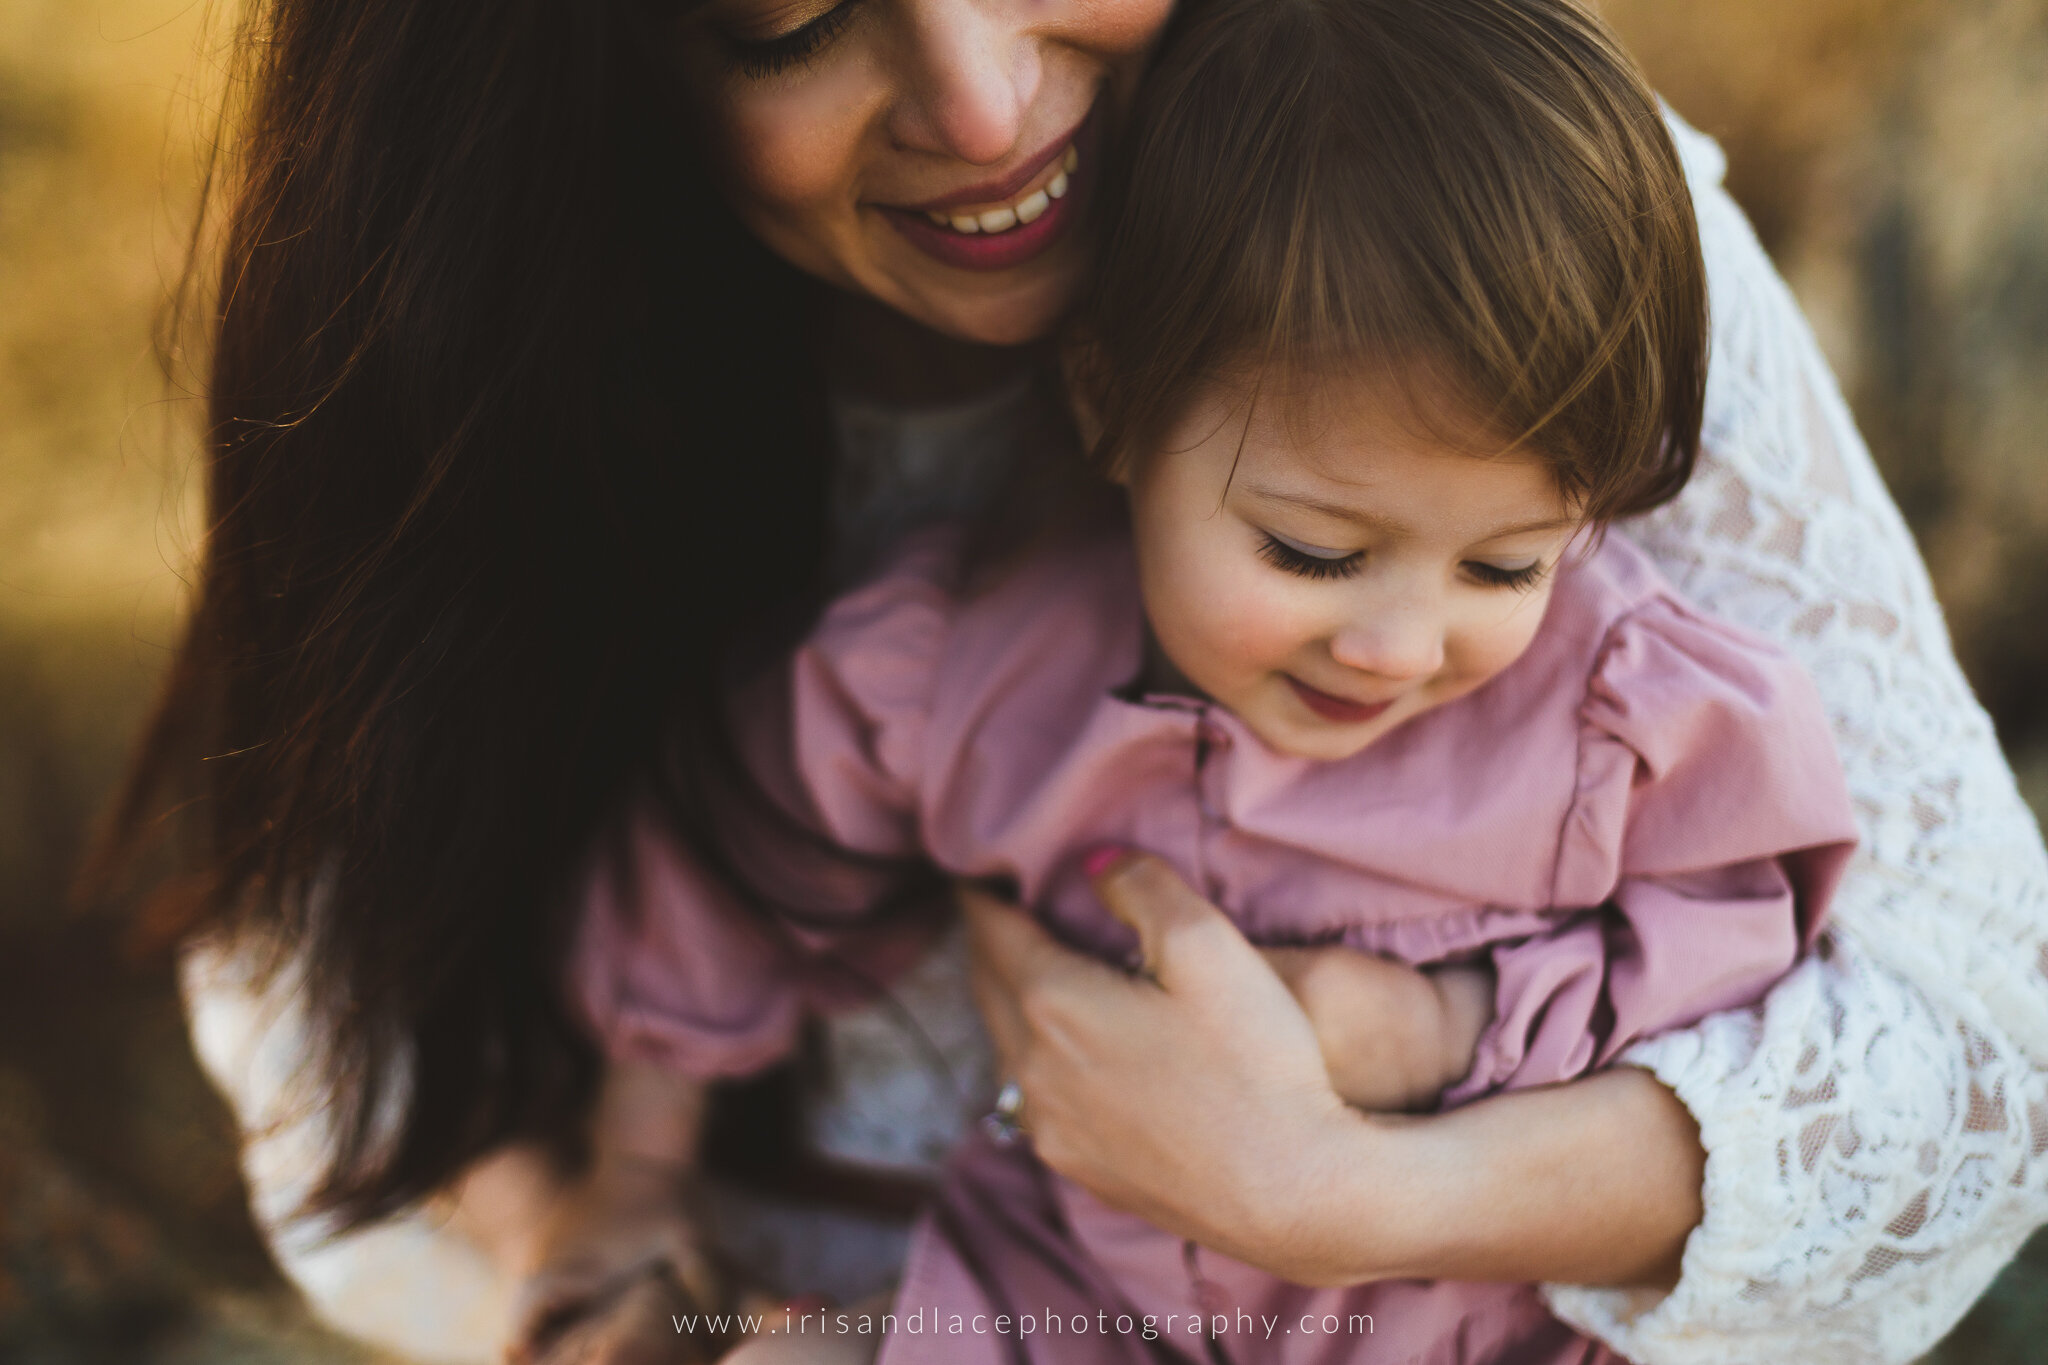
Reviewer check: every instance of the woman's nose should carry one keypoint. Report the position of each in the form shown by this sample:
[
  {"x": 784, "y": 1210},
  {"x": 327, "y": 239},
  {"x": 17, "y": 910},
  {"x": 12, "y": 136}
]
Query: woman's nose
[
  {"x": 1397, "y": 646},
  {"x": 973, "y": 78}
]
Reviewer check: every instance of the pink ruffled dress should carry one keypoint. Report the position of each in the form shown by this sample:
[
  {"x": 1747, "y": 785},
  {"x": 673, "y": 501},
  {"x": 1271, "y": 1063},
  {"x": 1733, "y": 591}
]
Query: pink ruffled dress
[{"x": 1639, "y": 822}]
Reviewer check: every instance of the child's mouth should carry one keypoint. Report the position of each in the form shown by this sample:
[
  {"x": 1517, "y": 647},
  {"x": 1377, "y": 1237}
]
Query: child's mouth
[{"x": 1336, "y": 708}]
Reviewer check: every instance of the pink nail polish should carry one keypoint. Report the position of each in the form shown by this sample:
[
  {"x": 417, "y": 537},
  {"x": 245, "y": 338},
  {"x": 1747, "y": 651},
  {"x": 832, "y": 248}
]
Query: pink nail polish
[{"x": 1100, "y": 860}]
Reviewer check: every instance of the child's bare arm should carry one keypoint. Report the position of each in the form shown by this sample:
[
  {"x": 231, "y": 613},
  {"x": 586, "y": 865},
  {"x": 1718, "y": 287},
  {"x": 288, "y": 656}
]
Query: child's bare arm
[{"x": 1394, "y": 1037}]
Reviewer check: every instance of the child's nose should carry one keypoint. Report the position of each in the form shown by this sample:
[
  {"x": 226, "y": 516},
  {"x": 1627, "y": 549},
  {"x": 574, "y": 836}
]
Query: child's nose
[{"x": 1399, "y": 648}]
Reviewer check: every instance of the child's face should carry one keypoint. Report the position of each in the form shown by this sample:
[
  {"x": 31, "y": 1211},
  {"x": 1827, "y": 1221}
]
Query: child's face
[{"x": 1352, "y": 571}]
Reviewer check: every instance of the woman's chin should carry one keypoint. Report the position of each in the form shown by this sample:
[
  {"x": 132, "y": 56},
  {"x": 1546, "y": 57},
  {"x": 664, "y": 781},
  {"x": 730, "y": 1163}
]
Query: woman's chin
[{"x": 1009, "y": 308}]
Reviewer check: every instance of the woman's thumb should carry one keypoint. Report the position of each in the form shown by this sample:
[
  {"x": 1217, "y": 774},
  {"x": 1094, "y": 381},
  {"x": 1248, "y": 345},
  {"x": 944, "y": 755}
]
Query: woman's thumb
[{"x": 1177, "y": 930}]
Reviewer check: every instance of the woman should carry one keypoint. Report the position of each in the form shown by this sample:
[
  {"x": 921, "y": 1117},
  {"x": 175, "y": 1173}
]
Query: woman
[{"x": 486, "y": 356}]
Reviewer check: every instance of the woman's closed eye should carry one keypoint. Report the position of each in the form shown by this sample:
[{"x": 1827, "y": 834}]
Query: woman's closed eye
[
  {"x": 1308, "y": 561},
  {"x": 764, "y": 55}
]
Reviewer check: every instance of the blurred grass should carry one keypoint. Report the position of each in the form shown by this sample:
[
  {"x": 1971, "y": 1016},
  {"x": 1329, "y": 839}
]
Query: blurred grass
[
  {"x": 123, "y": 1235},
  {"x": 123, "y": 1232}
]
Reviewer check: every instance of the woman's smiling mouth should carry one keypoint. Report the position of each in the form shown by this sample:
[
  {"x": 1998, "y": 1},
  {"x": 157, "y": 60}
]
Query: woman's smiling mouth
[
  {"x": 1023, "y": 208},
  {"x": 996, "y": 226}
]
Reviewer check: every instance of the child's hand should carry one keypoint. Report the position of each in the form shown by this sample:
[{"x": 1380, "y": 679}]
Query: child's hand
[
  {"x": 634, "y": 1325},
  {"x": 620, "y": 1241},
  {"x": 1392, "y": 1036},
  {"x": 618, "y": 1255}
]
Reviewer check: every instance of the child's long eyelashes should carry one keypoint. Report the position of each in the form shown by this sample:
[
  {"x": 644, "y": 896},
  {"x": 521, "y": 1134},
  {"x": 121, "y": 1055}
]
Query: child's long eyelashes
[
  {"x": 1308, "y": 562},
  {"x": 1304, "y": 562},
  {"x": 1521, "y": 579}
]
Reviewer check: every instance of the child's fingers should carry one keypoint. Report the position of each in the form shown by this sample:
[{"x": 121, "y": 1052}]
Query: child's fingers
[
  {"x": 647, "y": 1322},
  {"x": 646, "y": 1315},
  {"x": 546, "y": 1305},
  {"x": 1289, "y": 964}
]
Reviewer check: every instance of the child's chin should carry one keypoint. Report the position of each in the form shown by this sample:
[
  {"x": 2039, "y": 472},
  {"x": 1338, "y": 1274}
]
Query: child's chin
[{"x": 1321, "y": 741}]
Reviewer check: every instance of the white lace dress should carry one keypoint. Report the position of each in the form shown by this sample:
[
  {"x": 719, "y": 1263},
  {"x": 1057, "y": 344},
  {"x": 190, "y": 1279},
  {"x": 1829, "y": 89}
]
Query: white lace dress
[{"x": 1874, "y": 1130}]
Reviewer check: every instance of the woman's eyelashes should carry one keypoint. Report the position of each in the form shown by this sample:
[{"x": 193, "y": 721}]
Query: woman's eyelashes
[
  {"x": 1309, "y": 561},
  {"x": 761, "y": 58}
]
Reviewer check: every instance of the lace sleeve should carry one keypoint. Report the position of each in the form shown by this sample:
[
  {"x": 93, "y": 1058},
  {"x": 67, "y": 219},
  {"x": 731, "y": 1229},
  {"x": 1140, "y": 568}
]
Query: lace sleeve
[{"x": 1875, "y": 1128}]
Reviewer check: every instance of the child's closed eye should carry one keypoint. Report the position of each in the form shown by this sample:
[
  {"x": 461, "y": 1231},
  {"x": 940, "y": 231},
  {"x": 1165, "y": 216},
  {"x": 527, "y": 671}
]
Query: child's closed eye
[
  {"x": 1521, "y": 577},
  {"x": 1306, "y": 561}
]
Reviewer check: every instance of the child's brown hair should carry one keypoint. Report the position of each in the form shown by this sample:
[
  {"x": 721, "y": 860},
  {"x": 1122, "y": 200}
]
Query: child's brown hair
[{"x": 1481, "y": 193}]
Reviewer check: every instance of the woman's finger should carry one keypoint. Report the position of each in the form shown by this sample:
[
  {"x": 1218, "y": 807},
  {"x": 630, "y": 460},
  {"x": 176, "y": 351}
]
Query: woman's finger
[
  {"x": 1000, "y": 955},
  {"x": 1179, "y": 933},
  {"x": 1003, "y": 939}
]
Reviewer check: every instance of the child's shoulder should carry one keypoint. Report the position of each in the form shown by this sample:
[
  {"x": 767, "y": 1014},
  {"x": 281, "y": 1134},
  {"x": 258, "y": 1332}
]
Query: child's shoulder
[
  {"x": 934, "y": 605},
  {"x": 1611, "y": 581},
  {"x": 1700, "y": 743},
  {"x": 1617, "y": 594},
  {"x": 1647, "y": 666},
  {"x": 1678, "y": 685}
]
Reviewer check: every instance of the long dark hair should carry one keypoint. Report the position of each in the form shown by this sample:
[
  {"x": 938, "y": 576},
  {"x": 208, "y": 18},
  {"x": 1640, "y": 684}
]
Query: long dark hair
[{"x": 513, "y": 435}]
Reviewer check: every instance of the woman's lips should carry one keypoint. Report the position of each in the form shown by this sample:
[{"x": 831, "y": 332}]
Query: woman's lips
[
  {"x": 985, "y": 250},
  {"x": 1012, "y": 185},
  {"x": 1000, "y": 231},
  {"x": 1337, "y": 708}
]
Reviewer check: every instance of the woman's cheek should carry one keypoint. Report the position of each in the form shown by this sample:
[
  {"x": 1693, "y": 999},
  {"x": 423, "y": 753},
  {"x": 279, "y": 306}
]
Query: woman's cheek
[
  {"x": 793, "y": 157},
  {"x": 1113, "y": 27}
]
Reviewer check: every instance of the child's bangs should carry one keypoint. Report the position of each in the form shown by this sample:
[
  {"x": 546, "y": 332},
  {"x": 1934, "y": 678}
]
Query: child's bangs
[{"x": 1473, "y": 202}]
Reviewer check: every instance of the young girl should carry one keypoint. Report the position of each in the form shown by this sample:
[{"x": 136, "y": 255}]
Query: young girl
[{"x": 1401, "y": 308}]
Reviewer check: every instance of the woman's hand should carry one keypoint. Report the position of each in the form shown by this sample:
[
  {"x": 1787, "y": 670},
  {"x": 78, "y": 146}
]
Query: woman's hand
[
  {"x": 1393, "y": 1037},
  {"x": 1193, "y": 1095},
  {"x": 1198, "y": 1099}
]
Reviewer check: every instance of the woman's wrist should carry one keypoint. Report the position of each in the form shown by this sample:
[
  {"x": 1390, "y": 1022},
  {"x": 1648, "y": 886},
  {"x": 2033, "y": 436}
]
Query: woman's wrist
[
  {"x": 1593, "y": 1182},
  {"x": 1342, "y": 1209}
]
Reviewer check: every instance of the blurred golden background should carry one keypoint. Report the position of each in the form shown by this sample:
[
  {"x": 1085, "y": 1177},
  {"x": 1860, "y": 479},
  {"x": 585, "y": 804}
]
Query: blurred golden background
[{"x": 1893, "y": 154}]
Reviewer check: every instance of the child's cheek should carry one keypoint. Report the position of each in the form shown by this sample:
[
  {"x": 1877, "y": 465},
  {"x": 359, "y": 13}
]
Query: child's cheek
[
  {"x": 1494, "y": 646},
  {"x": 1262, "y": 620},
  {"x": 1223, "y": 620}
]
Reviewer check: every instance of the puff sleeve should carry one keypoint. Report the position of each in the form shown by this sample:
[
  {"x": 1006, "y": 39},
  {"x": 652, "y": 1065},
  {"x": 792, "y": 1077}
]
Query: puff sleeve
[
  {"x": 1709, "y": 827},
  {"x": 673, "y": 968}
]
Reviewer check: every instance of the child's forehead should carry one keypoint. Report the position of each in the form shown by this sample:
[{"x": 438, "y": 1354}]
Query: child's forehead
[
  {"x": 1342, "y": 444},
  {"x": 1398, "y": 484},
  {"x": 1326, "y": 408}
]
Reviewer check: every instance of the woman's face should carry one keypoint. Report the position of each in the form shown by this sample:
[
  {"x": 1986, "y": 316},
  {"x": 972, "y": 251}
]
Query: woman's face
[{"x": 933, "y": 154}]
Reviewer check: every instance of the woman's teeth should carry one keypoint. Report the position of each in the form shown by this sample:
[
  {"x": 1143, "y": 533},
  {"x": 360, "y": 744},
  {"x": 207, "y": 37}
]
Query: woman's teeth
[{"x": 1025, "y": 210}]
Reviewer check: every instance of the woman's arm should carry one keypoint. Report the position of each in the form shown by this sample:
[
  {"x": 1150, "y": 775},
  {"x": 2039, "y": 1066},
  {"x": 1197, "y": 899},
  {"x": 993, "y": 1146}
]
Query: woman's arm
[
  {"x": 1207, "y": 1078},
  {"x": 1873, "y": 1128}
]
